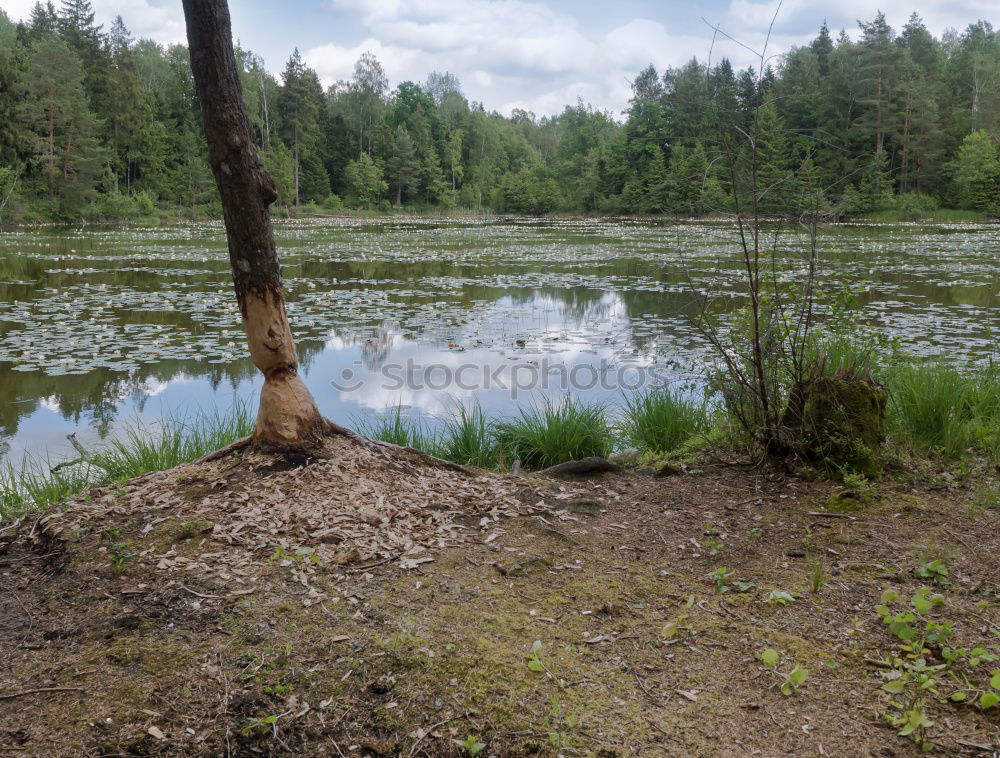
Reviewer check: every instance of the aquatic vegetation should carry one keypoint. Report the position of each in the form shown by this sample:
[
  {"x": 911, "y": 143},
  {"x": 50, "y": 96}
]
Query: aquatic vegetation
[{"x": 95, "y": 322}]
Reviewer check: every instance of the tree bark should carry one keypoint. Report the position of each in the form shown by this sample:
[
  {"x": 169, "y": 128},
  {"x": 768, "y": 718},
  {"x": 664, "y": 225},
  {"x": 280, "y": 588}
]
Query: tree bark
[{"x": 288, "y": 418}]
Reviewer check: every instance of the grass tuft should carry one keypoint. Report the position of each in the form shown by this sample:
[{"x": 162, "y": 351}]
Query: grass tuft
[
  {"x": 939, "y": 409},
  {"x": 660, "y": 420},
  {"x": 173, "y": 441},
  {"x": 555, "y": 432},
  {"x": 467, "y": 438},
  {"x": 34, "y": 484},
  {"x": 397, "y": 429}
]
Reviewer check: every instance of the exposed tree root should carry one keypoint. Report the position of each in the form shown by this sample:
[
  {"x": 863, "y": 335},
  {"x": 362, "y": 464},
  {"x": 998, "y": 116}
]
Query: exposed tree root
[
  {"x": 582, "y": 467},
  {"x": 396, "y": 455}
]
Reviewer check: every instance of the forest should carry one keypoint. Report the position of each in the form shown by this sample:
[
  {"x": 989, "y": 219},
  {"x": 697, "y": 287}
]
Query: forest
[{"x": 97, "y": 125}]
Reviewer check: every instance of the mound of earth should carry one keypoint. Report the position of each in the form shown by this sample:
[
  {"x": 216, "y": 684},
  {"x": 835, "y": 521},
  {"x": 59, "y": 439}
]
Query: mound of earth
[{"x": 219, "y": 521}]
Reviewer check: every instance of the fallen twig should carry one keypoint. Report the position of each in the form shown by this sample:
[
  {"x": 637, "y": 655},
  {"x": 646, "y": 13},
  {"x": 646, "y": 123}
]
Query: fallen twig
[
  {"x": 22, "y": 693},
  {"x": 375, "y": 565},
  {"x": 824, "y": 514}
]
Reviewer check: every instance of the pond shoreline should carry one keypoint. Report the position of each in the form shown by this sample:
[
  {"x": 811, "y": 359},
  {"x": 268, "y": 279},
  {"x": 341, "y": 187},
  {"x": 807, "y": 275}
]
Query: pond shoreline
[{"x": 945, "y": 216}]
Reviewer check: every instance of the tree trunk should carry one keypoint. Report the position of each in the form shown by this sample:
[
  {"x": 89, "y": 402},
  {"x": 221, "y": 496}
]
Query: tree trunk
[{"x": 288, "y": 418}]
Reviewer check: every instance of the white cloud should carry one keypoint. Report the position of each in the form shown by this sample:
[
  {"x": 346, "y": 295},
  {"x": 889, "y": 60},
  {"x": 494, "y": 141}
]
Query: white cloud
[
  {"x": 937, "y": 15},
  {"x": 522, "y": 54},
  {"x": 162, "y": 22}
]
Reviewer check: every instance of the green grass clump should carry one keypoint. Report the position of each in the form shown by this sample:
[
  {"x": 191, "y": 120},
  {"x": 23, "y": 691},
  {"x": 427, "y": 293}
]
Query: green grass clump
[
  {"x": 940, "y": 409},
  {"x": 395, "y": 428},
  {"x": 467, "y": 438},
  {"x": 555, "y": 432},
  {"x": 141, "y": 449},
  {"x": 33, "y": 484},
  {"x": 173, "y": 441},
  {"x": 660, "y": 420}
]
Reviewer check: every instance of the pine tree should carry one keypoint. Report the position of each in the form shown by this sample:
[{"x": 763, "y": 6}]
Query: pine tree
[
  {"x": 773, "y": 185},
  {"x": 364, "y": 178},
  {"x": 822, "y": 46},
  {"x": 56, "y": 109},
  {"x": 403, "y": 164},
  {"x": 875, "y": 187},
  {"x": 299, "y": 104},
  {"x": 42, "y": 21}
]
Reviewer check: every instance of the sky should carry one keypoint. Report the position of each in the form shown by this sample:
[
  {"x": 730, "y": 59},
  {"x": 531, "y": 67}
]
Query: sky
[{"x": 538, "y": 55}]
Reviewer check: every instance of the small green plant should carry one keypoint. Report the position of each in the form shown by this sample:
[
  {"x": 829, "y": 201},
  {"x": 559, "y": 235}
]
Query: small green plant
[
  {"x": 991, "y": 698},
  {"x": 859, "y": 484},
  {"x": 559, "y": 740},
  {"x": 987, "y": 497},
  {"x": 714, "y": 546},
  {"x": 780, "y": 597},
  {"x": 674, "y": 627},
  {"x": 935, "y": 571},
  {"x": 470, "y": 745},
  {"x": 791, "y": 681},
  {"x": 121, "y": 552},
  {"x": 817, "y": 574},
  {"x": 914, "y": 723},
  {"x": 721, "y": 577},
  {"x": 534, "y": 662},
  {"x": 912, "y": 678},
  {"x": 262, "y": 723},
  {"x": 307, "y": 554}
]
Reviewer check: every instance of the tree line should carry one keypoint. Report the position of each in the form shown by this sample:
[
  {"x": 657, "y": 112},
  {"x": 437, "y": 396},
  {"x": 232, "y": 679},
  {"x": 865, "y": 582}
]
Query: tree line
[{"x": 96, "y": 124}]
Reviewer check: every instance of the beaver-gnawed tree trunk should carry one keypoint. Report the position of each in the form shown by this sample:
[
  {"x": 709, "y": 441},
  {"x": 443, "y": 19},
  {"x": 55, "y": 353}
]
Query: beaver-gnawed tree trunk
[{"x": 288, "y": 418}]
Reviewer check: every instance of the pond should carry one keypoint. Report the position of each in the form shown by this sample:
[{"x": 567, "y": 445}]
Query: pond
[{"x": 102, "y": 328}]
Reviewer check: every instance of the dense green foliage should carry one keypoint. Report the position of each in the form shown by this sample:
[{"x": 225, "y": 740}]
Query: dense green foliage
[{"x": 96, "y": 124}]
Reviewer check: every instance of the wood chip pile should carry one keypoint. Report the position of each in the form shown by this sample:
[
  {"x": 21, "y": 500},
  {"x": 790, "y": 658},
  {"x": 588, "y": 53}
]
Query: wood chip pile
[{"x": 357, "y": 506}]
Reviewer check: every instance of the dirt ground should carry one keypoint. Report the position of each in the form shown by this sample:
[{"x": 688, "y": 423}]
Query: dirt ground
[{"x": 583, "y": 622}]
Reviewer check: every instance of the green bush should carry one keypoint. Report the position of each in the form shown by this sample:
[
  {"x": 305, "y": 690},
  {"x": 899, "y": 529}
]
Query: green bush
[
  {"x": 116, "y": 205},
  {"x": 914, "y": 205}
]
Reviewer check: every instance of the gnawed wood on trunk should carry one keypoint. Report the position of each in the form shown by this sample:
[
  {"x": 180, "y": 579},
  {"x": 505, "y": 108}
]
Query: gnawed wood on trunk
[{"x": 288, "y": 418}]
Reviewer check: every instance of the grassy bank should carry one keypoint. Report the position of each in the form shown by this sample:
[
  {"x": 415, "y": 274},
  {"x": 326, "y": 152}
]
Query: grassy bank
[
  {"x": 38, "y": 482},
  {"x": 933, "y": 410}
]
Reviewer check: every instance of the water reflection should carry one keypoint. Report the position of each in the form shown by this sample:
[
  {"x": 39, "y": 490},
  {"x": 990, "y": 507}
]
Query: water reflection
[{"x": 98, "y": 328}]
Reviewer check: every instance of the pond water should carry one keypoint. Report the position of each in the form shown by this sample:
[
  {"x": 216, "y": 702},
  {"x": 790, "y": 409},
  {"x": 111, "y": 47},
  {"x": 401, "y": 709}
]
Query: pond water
[{"x": 102, "y": 328}]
